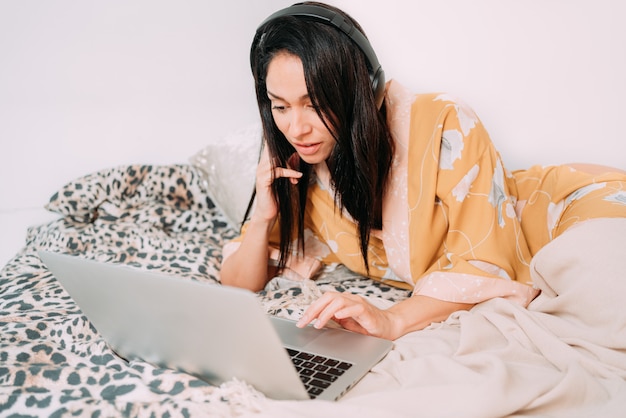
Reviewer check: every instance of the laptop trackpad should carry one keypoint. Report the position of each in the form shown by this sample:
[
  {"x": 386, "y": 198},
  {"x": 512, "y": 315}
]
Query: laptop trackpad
[{"x": 293, "y": 336}]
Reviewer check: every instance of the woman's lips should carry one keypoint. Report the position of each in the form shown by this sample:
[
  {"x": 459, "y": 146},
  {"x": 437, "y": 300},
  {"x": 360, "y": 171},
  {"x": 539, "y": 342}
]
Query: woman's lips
[{"x": 309, "y": 149}]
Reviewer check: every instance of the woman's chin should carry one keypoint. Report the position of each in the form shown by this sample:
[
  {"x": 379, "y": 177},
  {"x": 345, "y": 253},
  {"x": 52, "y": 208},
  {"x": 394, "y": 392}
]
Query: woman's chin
[{"x": 312, "y": 159}]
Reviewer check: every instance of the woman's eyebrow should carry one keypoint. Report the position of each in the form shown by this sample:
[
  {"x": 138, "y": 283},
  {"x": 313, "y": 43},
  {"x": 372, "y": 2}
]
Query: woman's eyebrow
[{"x": 276, "y": 97}]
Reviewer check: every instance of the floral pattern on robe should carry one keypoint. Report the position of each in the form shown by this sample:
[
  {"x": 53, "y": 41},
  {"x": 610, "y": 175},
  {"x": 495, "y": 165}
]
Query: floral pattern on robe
[{"x": 457, "y": 226}]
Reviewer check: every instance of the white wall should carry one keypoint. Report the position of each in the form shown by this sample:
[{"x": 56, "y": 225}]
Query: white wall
[
  {"x": 86, "y": 85},
  {"x": 547, "y": 77}
]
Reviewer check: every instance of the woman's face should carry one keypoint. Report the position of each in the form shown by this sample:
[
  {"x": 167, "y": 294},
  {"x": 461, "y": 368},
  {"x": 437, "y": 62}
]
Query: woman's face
[{"x": 293, "y": 111}]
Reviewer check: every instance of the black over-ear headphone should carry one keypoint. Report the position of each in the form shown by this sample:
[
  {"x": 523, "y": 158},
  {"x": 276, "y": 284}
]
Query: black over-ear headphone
[{"x": 329, "y": 17}]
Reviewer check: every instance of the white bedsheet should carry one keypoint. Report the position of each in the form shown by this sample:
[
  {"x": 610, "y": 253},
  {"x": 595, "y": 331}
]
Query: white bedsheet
[{"x": 564, "y": 356}]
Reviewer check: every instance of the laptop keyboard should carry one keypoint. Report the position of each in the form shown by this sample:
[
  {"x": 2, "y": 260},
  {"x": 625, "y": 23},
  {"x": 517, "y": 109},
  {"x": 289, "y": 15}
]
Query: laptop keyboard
[{"x": 317, "y": 372}]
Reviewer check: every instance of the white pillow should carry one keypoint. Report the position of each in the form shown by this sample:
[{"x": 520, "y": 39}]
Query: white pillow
[{"x": 228, "y": 165}]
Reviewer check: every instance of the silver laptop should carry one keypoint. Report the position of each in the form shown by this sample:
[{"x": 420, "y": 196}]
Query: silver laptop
[{"x": 213, "y": 332}]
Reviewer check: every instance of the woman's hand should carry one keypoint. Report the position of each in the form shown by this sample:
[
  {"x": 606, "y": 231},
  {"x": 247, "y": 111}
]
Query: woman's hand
[
  {"x": 351, "y": 312},
  {"x": 266, "y": 208},
  {"x": 354, "y": 313},
  {"x": 248, "y": 267}
]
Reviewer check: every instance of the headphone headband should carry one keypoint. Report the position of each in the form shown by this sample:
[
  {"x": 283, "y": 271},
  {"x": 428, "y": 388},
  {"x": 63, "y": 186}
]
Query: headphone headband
[{"x": 331, "y": 18}]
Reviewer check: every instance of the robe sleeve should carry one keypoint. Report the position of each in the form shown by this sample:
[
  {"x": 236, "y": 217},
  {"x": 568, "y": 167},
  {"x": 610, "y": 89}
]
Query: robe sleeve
[{"x": 466, "y": 242}]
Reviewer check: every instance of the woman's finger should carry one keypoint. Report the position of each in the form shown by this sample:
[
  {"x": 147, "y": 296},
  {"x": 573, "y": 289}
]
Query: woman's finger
[
  {"x": 313, "y": 311},
  {"x": 326, "y": 308},
  {"x": 288, "y": 173},
  {"x": 336, "y": 303}
]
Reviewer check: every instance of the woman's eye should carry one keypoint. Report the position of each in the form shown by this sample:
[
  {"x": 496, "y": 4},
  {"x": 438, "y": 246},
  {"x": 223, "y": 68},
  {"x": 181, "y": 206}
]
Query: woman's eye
[
  {"x": 314, "y": 109},
  {"x": 279, "y": 109}
]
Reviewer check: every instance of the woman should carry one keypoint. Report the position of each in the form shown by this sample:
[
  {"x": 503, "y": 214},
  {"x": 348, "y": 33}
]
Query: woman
[{"x": 402, "y": 188}]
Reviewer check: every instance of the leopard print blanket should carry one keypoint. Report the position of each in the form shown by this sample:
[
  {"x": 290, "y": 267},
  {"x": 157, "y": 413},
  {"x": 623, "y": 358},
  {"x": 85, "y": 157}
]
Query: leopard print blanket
[{"x": 53, "y": 362}]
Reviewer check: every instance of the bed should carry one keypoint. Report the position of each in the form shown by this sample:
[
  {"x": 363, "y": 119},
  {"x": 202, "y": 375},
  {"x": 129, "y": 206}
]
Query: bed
[{"x": 563, "y": 356}]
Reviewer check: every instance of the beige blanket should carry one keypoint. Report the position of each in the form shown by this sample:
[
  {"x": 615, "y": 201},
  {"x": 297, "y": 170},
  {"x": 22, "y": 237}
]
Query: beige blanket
[{"x": 564, "y": 356}]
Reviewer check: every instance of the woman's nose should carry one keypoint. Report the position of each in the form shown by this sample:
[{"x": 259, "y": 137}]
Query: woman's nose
[{"x": 299, "y": 124}]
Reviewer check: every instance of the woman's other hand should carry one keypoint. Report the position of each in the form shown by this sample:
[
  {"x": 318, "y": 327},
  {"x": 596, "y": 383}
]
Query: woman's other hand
[
  {"x": 248, "y": 266},
  {"x": 266, "y": 207}
]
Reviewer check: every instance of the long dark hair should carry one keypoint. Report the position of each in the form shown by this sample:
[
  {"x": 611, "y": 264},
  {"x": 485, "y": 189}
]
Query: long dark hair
[{"x": 339, "y": 86}]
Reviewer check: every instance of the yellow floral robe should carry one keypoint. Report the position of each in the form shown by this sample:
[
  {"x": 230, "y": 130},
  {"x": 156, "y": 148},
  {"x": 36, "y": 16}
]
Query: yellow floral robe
[{"x": 456, "y": 225}]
